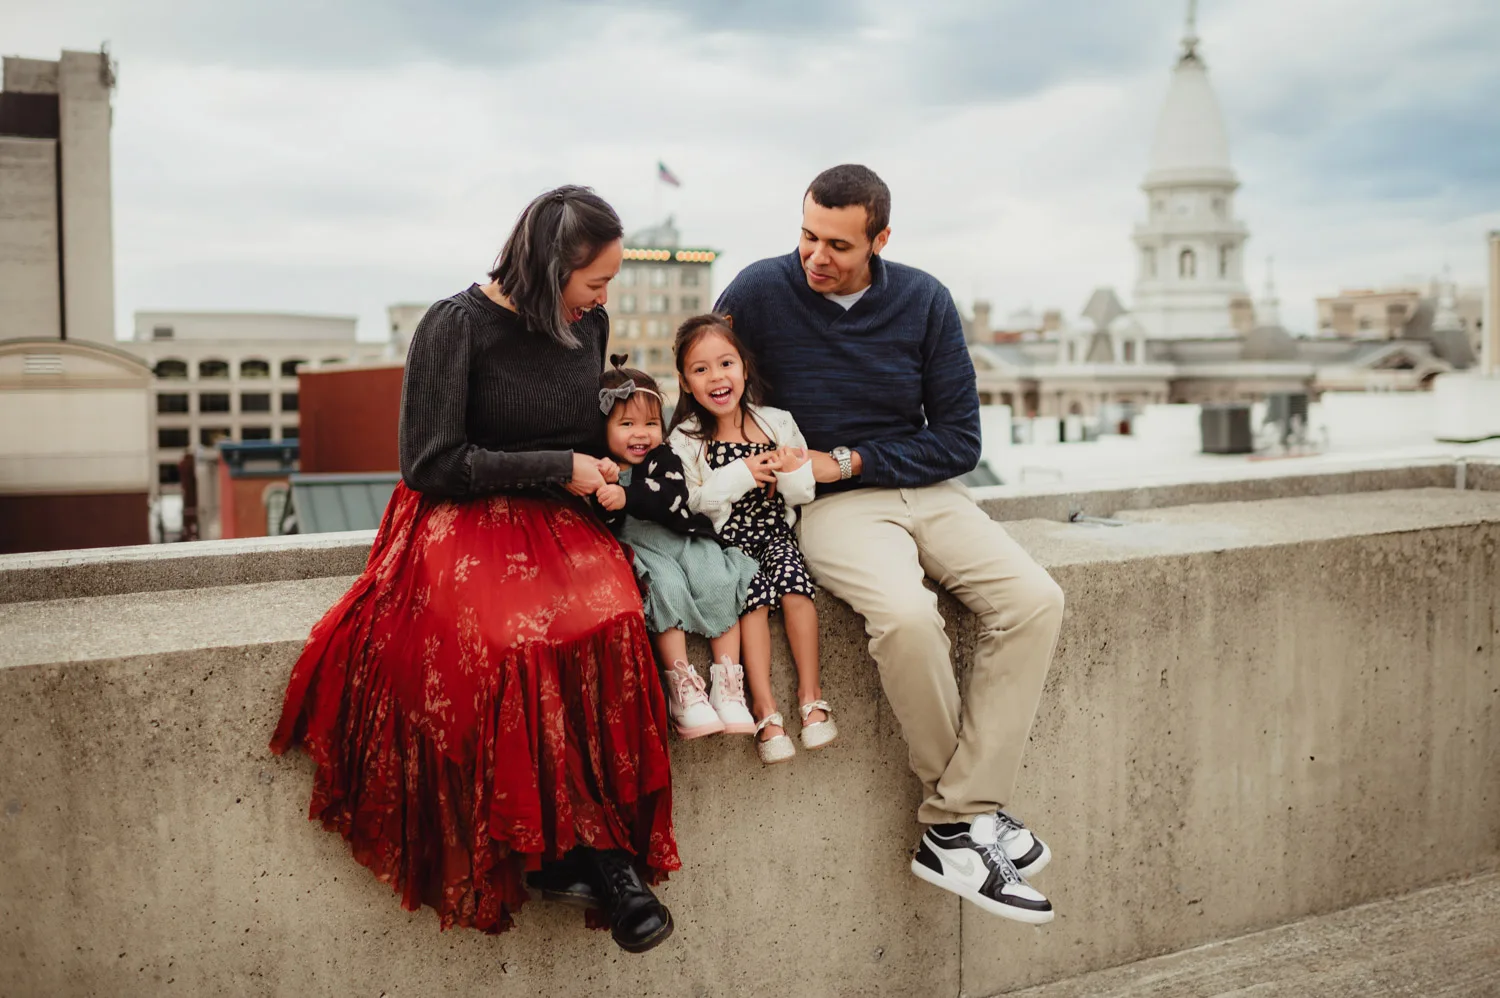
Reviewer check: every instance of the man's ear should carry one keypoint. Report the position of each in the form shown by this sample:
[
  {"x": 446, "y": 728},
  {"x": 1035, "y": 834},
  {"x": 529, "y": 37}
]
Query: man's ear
[{"x": 881, "y": 238}]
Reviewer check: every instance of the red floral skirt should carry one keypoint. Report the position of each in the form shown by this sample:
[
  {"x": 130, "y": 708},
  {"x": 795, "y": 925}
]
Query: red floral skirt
[{"x": 483, "y": 698}]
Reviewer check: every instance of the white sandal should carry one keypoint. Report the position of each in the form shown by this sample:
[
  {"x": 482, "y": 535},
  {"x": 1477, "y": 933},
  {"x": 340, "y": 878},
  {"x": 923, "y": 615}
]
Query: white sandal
[
  {"x": 778, "y": 748},
  {"x": 819, "y": 734}
]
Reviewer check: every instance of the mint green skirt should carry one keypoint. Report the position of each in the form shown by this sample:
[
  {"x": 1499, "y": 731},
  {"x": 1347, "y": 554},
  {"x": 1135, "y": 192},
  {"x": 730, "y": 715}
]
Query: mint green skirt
[{"x": 690, "y": 582}]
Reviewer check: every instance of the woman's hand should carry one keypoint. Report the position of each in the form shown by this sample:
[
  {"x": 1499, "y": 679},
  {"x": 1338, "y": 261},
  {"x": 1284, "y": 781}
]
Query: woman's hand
[
  {"x": 791, "y": 459},
  {"x": 609, "y": 470},
  {"x": 611, "y": 497},
  {"x": 763, "y": 467},
  {"x": 587, "y": 477}
]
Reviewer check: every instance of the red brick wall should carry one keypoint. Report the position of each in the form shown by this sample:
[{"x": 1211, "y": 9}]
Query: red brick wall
[
  {"x": 63, "y": 522},
  {"x": 349, "y": 419}
]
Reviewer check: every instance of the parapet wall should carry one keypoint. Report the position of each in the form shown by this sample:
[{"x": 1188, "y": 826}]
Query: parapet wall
[{"x": 1258, "y": 711}]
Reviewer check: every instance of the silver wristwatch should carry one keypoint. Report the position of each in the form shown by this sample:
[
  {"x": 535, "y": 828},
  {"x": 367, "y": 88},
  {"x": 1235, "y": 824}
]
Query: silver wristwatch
[{"x": 846, "y": 462}]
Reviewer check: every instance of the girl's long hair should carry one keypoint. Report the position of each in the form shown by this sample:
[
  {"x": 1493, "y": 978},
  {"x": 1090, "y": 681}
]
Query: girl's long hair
[{"x": 696, "y": 421}]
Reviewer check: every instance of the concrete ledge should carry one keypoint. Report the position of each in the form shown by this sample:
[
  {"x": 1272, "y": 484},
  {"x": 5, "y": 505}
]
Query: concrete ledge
[{"x": 1259, "y": 711}]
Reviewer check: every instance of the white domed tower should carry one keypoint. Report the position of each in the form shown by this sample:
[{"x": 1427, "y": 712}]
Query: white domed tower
[{"x": 1191, "y": 247}]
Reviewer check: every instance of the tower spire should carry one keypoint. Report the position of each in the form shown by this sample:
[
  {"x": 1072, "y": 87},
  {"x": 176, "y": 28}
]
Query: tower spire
[{"x": 1190, "y": 32}]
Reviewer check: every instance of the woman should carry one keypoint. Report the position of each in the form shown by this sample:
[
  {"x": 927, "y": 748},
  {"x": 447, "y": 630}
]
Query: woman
[{"x": 484, "y": 701}]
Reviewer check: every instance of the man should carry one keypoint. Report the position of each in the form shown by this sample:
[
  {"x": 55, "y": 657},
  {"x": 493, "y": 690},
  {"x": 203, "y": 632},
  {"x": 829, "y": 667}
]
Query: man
[{"x": 869, "y": 356}]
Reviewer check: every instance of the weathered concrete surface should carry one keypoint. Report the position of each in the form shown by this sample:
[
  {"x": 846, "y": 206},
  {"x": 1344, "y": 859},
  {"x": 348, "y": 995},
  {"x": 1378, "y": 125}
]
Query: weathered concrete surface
[
  {"x": 1259, "y": 711},
  {"x": 193, "y": 565},
  {"x": 1482, "y": 474},
  {"x": 1006, "y": 502},
  {"x": 1443, "y": 942}
]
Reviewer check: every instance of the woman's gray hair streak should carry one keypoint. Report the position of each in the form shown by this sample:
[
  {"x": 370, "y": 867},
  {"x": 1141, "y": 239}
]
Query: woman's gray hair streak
[{"x": 557, "y": 233}]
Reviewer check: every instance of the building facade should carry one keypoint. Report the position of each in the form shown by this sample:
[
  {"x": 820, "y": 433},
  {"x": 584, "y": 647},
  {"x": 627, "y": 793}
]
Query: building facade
[
  {"x": 661, "y": 284},
  {"x": 56, "y": 229},
  {"x": 1385, "y": 313},
  {"x": 233, "y": 376}
]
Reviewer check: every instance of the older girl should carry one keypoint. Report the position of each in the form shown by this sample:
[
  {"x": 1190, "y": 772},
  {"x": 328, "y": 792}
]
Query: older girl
[{"x": 484, "y": 701}]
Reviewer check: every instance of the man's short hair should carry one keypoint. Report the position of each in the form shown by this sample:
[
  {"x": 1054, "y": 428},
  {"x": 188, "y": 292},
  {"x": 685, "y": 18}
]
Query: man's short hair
[{"x": 852, "y": 184}]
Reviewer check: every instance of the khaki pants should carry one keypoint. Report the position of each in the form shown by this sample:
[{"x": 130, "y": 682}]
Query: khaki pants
[{"x": 871, "y": 548}]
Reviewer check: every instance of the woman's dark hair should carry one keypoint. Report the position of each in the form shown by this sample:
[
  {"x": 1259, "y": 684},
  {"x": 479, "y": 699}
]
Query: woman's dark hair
[
  {"x": 557, "y": 233},
  {"x": 852, "y": 184},
  {"x": 618, "y": 374},
  {"x": 696, "y": 421}
]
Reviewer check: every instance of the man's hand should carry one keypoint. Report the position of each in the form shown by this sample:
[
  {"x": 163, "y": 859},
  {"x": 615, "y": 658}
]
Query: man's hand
[
  {"x": 611, "y": 497},
  {"x": 826, "y": 466}
]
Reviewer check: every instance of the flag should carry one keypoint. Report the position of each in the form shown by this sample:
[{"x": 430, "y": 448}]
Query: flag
[{"x": 665, "y": 175}]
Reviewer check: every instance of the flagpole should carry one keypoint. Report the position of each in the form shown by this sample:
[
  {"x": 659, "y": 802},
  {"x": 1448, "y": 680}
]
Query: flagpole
[{"x": 656, "y": 185}]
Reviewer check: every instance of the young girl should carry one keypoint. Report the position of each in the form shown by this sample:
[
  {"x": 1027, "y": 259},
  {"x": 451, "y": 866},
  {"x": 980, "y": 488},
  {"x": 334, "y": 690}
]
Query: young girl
[
  {"x": 747, "y": 470},
  {"x": 692, "y": 581}
]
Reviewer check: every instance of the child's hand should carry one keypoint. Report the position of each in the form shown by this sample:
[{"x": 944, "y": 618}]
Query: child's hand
[
  {"x": 764, "y": 466},
  {"x": 609, "y": 470},
  {"x": 611, "y": 497},
  {"x": 791, "y": 459}
]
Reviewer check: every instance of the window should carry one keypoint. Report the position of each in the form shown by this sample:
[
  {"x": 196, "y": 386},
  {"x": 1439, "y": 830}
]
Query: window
[
  {"x": 255, "y": 402},
  {"x": 171, "y": 403},
  {"x": 658, "y": 277},
  {"x": 1224, "y": 261},
  {"x": 627, "y": 303},
  {"x": 633, "y": 329},
  {"x": 161, "y": 333},
  {"x": 1130, "y": 351},
  {"x": 689, "y": 277},
  {"x": 168, "y": 473},
  {"x": 327, "y": 361},
  {"x": 210, "y": 436},
  {"x": 213, "y": 403},
  {"x": 171, "y": 369},
  {"x": 1187, "y": 264},
  {"x": 653, "y": 328},
  {"x": 653, "y": 356},
  {"x": 1072, "y": 351},
  {"x": 255, "y": 369},
  {"x": 288, "y": 401},
  {"x": 289, "y": 432},
  {"x": 627, "y": 277},
  {"x": 255, "y": 433},
  {"x": 658, "y": 303},
  {"x": 213, "y": 369},
  {"x": 289, "y": 367},
  {"x": 1364, "y": 322},
  {"x": 173, "y": 438},
  {"x": 690, "y": 303},
  {"x": 1159, "y": 206},
  {"x": 1218, "y": 206}
]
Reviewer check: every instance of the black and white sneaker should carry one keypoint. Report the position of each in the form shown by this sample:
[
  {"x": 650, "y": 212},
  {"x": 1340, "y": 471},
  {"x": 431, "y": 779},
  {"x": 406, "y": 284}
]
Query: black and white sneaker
[{"x": 975, "y": 862}]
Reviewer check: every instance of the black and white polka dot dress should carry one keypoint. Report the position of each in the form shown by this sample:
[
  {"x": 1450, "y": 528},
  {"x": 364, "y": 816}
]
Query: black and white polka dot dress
[{"x": 757, "y": 526}]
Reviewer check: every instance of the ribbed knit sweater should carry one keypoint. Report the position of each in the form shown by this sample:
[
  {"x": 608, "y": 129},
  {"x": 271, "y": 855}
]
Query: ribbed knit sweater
[
  {"x": 890, "y": 377},
  {"x": 490, "y": 406}
]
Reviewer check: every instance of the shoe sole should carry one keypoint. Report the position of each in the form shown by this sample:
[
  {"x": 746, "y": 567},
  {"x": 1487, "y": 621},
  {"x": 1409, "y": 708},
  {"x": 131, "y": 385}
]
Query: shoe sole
[
  {"x": 572, "y": 900},
  {"x": 703, "y": 730},
  {"x": 652, "y": 941},
  {"x": 739, "y": 729},
  {"x": 1009, "y": 911}
]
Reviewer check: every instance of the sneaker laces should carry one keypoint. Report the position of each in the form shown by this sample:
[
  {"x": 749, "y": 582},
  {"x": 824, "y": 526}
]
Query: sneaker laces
[
  {"x": 688, "y": 686},
  {"x": 987, "y": 832},
  {"x": 733, "y": 685}
]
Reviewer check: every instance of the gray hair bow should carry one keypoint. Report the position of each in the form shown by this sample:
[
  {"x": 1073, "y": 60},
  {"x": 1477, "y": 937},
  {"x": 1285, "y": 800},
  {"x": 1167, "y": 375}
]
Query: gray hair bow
[{"x": 609, "y": 396}]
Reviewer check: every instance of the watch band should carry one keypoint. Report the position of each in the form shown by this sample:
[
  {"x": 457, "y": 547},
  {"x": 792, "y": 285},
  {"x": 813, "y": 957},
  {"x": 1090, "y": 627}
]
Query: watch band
[{"x": 846, "y": 462}]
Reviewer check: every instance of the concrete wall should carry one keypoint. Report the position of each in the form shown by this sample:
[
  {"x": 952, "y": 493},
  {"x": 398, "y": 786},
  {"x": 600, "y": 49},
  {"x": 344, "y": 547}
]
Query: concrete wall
[
  {"x": 1226, "y": 743},
  {"x": 28, "y": 239},
  {"x": 84, "y": 85}
]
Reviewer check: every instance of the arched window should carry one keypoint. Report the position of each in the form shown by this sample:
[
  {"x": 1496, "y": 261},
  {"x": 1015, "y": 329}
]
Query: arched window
[
  {"x": 289, "y": 367},
  {"x": 1130, "y": 351},
  {"x": 255, "y": 369},
  {"x": 213, "y": 369},
  {"x": 1187, "y": 264},
  {"x": 174, "y": 369}
]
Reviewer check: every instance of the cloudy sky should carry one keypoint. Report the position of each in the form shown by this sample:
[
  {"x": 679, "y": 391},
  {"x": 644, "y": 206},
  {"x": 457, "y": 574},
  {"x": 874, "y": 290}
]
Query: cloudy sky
[{"x": 336, "y": 156}]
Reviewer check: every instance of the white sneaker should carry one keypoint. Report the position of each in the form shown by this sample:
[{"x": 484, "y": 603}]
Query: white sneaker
[
  {"x": 688, "y": 704},
  {"x": 727, "y": 697},
  {"x": 972, "y": 862}
]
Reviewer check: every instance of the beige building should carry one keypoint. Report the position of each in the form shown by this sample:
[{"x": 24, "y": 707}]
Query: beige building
[
  {"x": 661, "y": 284},
  {"x": 1386, "y": 313},
  {"x": 233, "y": 376},
  {"x": 56, "y": 229}
]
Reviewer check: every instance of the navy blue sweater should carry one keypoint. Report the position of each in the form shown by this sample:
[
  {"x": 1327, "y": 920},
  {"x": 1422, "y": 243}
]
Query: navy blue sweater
[{"x": 890, "y": 377}]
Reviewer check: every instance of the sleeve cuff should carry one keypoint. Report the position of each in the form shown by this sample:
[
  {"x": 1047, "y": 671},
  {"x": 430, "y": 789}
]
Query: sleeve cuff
[{"x": 491, "y": 471}]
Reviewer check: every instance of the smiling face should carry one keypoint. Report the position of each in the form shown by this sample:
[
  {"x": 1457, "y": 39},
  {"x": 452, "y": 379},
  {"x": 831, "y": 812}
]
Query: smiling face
[
  {"x": 634, "y": 428},
  {"x": 835, "y": 247},
  {"x": 588, "y": 286},
  {"x": 714, "y": 374}
]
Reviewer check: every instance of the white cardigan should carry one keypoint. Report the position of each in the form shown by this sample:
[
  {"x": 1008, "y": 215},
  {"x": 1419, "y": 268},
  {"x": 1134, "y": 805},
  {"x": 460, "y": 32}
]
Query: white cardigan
[{"x": 712, "y": 491}]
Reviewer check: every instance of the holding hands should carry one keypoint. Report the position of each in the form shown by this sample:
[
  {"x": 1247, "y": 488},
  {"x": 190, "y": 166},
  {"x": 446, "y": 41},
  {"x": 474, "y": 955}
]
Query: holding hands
[
  {"x": 611, "y": 497},
  {"x": 590, "y": 474}
]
